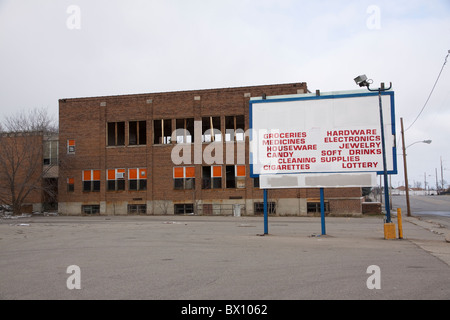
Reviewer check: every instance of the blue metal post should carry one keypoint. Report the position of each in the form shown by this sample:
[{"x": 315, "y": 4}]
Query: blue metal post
[
  {"x": 322, "y": 211},
  {"x": 266, "y": 215},
  {"x": 383, "y": 146}
]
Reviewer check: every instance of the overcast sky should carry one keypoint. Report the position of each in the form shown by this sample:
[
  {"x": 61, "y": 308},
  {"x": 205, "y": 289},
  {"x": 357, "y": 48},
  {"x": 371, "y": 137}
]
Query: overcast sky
[{"x": 53, "y": 49}]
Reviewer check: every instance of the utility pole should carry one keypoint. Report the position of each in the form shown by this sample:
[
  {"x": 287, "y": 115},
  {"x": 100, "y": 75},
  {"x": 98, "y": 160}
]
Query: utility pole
[{"x": 408, "y": 206}]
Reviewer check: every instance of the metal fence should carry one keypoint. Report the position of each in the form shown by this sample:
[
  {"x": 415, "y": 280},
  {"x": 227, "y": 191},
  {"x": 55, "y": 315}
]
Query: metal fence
[{"x": 213, "y": 209}]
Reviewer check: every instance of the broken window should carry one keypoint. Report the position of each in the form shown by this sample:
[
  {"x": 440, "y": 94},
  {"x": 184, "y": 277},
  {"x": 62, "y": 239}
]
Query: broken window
[
  {"x": 137, "y": 209},
  {"x": 51, "y": 152},
  {"x": 184, "y": 208},
  {"x": 313, "y": 206},
  {"x": 234, "y": 128},
  {"x": 235, "y": 176},
  {"x": 185, "y": 130},
  {"x": 212, "y": 177},
  {"x": 162, "y": 131},
  {"x": 211, "y": 129},
  {"x": 259, "y": 207},
  {"x": 90, "y": 209},
  {"x": 116, "y": 134},
  {"x": 137, "y": 133}
]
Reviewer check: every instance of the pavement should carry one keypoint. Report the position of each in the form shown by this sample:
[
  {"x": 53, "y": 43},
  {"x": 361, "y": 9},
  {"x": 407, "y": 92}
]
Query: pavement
[{"x": 220, "y": 258}]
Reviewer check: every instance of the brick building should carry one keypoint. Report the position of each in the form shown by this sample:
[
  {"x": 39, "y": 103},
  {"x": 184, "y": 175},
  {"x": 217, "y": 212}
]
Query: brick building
[
  {"x": 139, "y": 154},
  {"x": 28, "y": 171}
]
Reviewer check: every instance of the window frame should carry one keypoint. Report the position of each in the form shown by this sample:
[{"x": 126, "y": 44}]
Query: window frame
[
  {"x": 91, "y": 181},
  {"x": 139, "y": 178},
  {"x": 184, "y": 178},
  {"x": 118, "y": 137},
  {"x": 139, "y": 133}
]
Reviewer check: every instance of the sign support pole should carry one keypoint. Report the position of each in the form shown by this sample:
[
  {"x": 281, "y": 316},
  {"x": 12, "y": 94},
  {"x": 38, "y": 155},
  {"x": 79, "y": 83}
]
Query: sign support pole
[
  {"x": 322, "y": 211},
  {"x": 266, "y": 215},
  {"x": 386, "y": 186}
]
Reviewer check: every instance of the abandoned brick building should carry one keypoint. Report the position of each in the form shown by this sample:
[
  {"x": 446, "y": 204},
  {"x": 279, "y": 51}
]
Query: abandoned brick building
[{"x": 116, "y": 156}]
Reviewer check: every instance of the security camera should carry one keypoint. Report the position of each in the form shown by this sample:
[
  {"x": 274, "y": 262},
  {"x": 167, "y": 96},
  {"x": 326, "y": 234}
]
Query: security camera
[{"x": 362, "y": 80}]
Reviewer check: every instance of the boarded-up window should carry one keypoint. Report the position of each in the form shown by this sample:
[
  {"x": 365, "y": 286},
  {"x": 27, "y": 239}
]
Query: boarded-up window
[
  {"x": 91, "y": 180},
  {"x": 184, "y": 178},
  {"x": 137, "y": 179}
]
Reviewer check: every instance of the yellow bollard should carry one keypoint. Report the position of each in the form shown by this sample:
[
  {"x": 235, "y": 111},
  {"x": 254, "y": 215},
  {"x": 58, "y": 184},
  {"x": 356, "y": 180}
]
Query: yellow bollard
[
  {"x": 389, "y": 231},
  {"x": 399, "y": 221}
]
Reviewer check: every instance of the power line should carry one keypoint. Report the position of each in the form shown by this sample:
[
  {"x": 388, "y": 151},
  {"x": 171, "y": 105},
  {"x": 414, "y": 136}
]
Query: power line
[{"x": 437, "y": 80}]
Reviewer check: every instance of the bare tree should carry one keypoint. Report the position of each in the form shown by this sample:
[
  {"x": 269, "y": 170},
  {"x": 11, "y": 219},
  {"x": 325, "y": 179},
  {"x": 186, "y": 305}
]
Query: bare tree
[{"x": 22, "y": 137}]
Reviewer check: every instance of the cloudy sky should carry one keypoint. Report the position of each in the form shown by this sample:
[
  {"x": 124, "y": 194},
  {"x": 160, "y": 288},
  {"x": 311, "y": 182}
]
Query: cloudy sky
[{"x": 53, "y": 49}]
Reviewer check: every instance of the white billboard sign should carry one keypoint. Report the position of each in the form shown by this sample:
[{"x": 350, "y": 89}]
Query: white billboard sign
[{"x": 331, "y": 133}]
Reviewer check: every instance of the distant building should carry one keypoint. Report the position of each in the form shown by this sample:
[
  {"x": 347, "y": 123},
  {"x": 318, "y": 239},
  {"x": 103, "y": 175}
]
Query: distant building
[{"x": 29, "y": 170}]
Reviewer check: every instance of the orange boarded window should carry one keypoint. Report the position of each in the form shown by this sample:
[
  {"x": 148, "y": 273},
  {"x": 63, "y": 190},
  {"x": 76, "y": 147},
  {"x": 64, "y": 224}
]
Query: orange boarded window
[
  {"x": 87, "y": 175},
  {"x": 71, "y": 146},
  {"x": 190, "y": 172},
  {"x": 217, "y": 172},
  {"x": 132, "y": 174},
  {"x": 112, "y": 174},
  {"x": 96, "y": 175},
  {"x": 240, "y": 171},
  {"x": 178, "y": 173},
  {"x": 142, "y": 173}
]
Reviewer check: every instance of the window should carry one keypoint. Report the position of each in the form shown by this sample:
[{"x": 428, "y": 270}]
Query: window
[
  {"x": 137, "y": 133},
  {"x": 185, "y": 208},
  {"x": 211, "y": 129},
  {"x": 90, "y": 209},
  {"x": 51, "y": 152},
  {"x": 259, "y": 207},
  {"x": 137, "y": 179},
  {"x": 162, "y": 131},
  {"x": 116, "y": 134},
  {"x": 313, "y": 206},
  {"x": 185, "y": 130},
  {"x": 234, "y": 128},
  {"x": 116, "y": 179},
  {"x": 212, "y": 177},
  {"x": 235, "y": 177},
  {"x": 256, "y": 182},
  {"x": 71, "y": 146},
  {"x": 184, "y": 178},
  {"x": 91, "y": 180},
  {"x": 137, "y": 209},
  {"x": 70, "y": 184}
]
